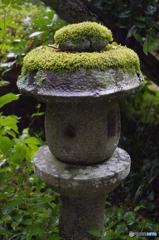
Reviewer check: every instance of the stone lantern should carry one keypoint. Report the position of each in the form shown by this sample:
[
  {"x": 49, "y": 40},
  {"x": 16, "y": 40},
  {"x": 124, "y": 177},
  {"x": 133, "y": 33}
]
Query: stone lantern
[{"x": 81, "y": 80}]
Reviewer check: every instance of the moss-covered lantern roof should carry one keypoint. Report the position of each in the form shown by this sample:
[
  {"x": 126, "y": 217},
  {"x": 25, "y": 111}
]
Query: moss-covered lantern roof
[
  {"x": 52, "y": 71},
  {"x": 47, "y": 58}
]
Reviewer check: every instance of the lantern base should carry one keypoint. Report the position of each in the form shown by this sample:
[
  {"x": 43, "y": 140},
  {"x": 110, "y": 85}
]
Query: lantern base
[{"x": 82, "y": 190}]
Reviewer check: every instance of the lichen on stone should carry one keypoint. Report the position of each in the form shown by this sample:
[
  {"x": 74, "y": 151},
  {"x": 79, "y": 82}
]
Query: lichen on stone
[
  {"x": 46, "y": 58},
  {"x": 82, "y": 32}
]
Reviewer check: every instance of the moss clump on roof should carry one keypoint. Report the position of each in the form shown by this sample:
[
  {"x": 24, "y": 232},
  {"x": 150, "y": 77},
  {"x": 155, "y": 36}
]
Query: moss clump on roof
[
  {"x": 81, "y": 32},
  {"x": 46, "y": 58}
]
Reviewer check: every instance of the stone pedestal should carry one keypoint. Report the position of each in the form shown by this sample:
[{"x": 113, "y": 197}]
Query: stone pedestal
[{"x": 82, "y": 190}]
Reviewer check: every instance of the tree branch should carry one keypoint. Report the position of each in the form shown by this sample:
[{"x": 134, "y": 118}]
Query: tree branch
[{"x": 72, "y": 11}]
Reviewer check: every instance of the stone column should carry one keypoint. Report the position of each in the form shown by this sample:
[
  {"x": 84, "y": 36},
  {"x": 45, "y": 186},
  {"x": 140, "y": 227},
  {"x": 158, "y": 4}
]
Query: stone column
[{"x": 79, "y": 215}]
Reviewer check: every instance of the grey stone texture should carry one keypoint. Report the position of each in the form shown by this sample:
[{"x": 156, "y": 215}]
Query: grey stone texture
[
  {"x": 48, "y": 86},
  {"x": 89, "y": 45},
  {"x": 82, "y": 133},
  {"x": 79, "y": 215},
  {"x": 81, "y": 181}
]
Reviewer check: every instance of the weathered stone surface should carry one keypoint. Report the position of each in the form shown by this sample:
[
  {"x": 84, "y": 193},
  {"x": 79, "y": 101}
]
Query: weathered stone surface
[
  {"x": 81, "y": 133},
  {"x": 81, "y": 181},
  {"x": 111, "y": 84},
  {"x": 78, "y": 216},
  {"x": 89, "y": 45}
]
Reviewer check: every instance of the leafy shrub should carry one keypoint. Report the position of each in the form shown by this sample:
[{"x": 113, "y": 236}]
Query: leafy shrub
[
  {"x": 23, "y": 27},
  {"x": 119, "y": 222},
  {"x": 27, "y": 208},
  {"x": 144, "y": 106},
  {"x": 139, "y": 18}
]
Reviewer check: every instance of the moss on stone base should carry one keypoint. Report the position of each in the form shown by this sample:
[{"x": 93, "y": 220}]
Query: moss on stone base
[
  {"x": 82, "y": 32},
  {"x": 115, "y": 57}
]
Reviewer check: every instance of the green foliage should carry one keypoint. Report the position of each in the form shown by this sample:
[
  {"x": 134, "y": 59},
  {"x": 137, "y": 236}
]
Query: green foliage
[
  {"x": 27, "y": 208},
  {"x": 144, "y": 106},
  {"x": 24, "y": 26},
  {"x": 119, "y": 222},
  {"x": 139, "y": 18}
]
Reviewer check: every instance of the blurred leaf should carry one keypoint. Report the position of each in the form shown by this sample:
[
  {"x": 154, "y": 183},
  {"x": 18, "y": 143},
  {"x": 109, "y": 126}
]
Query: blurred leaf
[
  {"x": 121, "y": 25},
  {"x": 39, "y": 206},
  {"x": 138, "y": 37},
  {"x": 7, "y": 98},
  {"x": 11, "y": 133},
  {"x": 107, "y": 203},
  {"x": 112, "y": 224},
  {"x": 3, "y": 161},
  {"x": 132, "y": 31},
  {"x": 129, "y": 217},
  {"x": 139, "y": 190},
  {"x": 140, "y": 18},
  {"x": 35, "y": 34},
  {"x": 140, "y": 25},
  {"x": 14, "y": 225},
  {"x": 37, "y": 114},
  {"x": 150, "y": 206},
  {"x": 50, "y": 14},
  {"x": 146, "y": 46},
  {"x": 120, "y": 213},
  {"x": 20, "y": 177},
  {"x": 2, "y": 6},
  {"x": 40, "y": 185},
  {"x": 13, "y": 203},
  {"x": 18, "y": 218},
  {"x": 95, "y": 233},
  {"x": 151, "y": 196},
  {"x": 18, "y": 43},
  {"x": 17, "y": 7},
  {"x": 8, "y": 65},
  {"x": 138, "y": 207},
  {"x": 16, "y": 159},
  {"x": 28, "y": 222},
  {"x": 4, "y": 83},
  {"x": 32, "y": 140},
  {"x": 6, "y": 218},
  {"x": 149, "y": 22},
  {"x": 156, "y": 24},
  {"x": 21, "y": 150},
  {"x": 9, "y": 122},
  {"x": 125, "y": 14},
  {"x": 6, "y": 2},
  {"x": 12, "y": 25},
  {"x": 5, "y": 145},
  {"x": 122, "y": 228}
]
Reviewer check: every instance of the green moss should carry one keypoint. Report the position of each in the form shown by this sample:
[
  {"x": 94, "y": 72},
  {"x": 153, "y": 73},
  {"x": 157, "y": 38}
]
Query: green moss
[
  {"x": 81, "y": 32},
  {"x": 115, "y": 57}
]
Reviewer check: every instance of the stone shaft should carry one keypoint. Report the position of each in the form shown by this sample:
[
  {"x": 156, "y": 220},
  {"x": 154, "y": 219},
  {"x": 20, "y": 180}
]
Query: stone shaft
[{"x": 79, "y": 215}]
